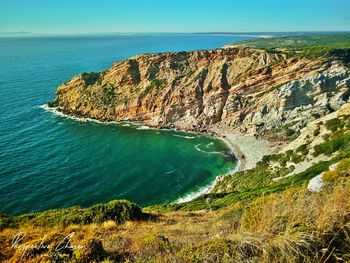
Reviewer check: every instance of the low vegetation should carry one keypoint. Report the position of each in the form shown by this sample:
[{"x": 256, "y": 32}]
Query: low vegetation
[
  {"x": 118, "y": 211},
  {"x": 330, "y": 46},
  {"x": 155, "y": 84}
]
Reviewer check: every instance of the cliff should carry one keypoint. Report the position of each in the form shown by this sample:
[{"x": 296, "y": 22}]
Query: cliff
[{"x": 250, "y": 90}]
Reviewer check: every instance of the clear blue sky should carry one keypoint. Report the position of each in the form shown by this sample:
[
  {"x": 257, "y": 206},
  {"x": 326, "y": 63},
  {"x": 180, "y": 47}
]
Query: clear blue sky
[{"x": 101, "y": 16}]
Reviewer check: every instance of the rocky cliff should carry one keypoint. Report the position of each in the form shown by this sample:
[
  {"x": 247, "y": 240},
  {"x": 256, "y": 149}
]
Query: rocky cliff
[{"x": 249, "y": 90}]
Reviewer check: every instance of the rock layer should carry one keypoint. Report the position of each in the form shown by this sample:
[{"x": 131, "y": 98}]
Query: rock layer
[{"x": 250, "y": 90}]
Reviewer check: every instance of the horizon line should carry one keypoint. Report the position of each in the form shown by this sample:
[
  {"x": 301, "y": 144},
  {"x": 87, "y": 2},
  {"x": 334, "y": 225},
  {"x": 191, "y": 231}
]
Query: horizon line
[{"x": 169, "y": 32}]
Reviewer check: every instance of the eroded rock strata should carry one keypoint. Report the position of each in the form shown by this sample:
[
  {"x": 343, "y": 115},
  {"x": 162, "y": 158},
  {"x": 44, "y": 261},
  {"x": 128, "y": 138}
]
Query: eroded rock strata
[{"x": 248, "y": 90}]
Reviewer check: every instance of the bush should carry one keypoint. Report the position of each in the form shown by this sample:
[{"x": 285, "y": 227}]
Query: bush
[
  {"x": 289, "y": 132},
  {"x": 297, "y": 158},
  {"x": 334, "y": 124},
  {"x": 317, "y": 131},
  {"x": 7, "y": 221},
  {"x": 90, "y": 78},
  {"x": 303, "y": 149},
  {"x": 343, "y": 168},
  {"x": 91, "y": 251},
  {"x": 117, "y": 210},
  {"x": 155, "y": 84},
  {"x": 336, "y": 142},
  {"x": 329, "y": 176},
  {"x": 219, "y": 250}
]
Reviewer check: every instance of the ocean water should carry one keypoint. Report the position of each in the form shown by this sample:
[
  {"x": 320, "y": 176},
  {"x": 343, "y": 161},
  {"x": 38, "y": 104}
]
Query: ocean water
[{"x": 50, "y": 161}]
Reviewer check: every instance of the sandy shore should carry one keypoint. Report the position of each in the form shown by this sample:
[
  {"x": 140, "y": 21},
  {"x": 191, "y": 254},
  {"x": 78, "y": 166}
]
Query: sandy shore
[{"x": 248, "y": 149}]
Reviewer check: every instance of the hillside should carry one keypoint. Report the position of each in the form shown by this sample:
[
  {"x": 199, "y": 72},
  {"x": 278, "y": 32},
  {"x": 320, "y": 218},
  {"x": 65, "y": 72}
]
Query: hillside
[{"x": 291, "y": 205}]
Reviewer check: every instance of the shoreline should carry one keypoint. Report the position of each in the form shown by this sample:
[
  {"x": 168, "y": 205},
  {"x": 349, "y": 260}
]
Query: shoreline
[
  {"x": 247, "y": 149},
  {"x": 242, "y": 148}
]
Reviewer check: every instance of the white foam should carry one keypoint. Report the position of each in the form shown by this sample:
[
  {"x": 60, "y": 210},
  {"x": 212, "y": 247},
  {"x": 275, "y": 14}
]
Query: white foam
[
  {"x": 206, "y": 189},
  {"x": 81, "y": 119},
  {"x": 190, "y": 196},
  {"x": 201, "y": 191},
  {"x": 213, "y": 152},
  {"x": 183, "y": 136},
  {"x": 209, "y": 144},
  {"x": 143, "y": 127}
]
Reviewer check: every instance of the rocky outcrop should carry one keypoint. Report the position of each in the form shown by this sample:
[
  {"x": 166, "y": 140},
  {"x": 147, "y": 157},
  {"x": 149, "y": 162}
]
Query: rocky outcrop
[{"x": 247, "y": 89}]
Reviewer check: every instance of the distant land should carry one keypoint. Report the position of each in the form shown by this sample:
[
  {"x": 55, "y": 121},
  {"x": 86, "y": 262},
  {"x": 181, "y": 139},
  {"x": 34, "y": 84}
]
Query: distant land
[{"x": 257, "y": 34}]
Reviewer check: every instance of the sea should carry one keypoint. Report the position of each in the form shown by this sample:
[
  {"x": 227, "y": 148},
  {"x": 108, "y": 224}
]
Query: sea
[{"x": 48, "y": 160}]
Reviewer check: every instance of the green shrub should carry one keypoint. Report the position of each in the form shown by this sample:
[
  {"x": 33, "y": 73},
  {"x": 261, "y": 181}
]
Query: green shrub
[
  {"x": 91, "y": 251},
  {"x": 289, "y": 132},
  {"x": 342, "y": 54},
  {"x": 343, "y": 168},
  {"x": 117, "y": 210},
  {"x": 90, "y": 78},
  {"x": 317, "y": 131},
  {"x": 337, "y": 142},
  {"x": 155, "y": 84},
  {"x": 219, "y": 250},
  {"x": 303, "y": 149},
  {"x": 334, "y": 124},
  {"x": 330, "y": 176},
  {"x": 7, "y": 221},
  {"x": 297, "y": 158}
]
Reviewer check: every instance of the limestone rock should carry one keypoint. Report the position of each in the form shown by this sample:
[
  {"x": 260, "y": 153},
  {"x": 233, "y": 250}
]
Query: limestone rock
[{"x": 250, "y": 90}]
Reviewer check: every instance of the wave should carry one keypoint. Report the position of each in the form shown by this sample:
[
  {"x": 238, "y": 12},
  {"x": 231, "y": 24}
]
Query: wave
[
  {"x": 190, "y": 196},
  {"x": 81, "y": 119},
  {"x": 143, "y": 127},
  {"x": 209, "y": 144},
  {"x": 170, "y": 172},
  {"x": 183, "y": 136},
  {"x": 212, "y": 152},
  {"x": 203, "y": 190},
  {"x": 85, "y": 119}
]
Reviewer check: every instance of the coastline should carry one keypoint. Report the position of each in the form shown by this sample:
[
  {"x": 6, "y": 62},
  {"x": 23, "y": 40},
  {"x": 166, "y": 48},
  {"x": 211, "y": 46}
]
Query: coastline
[{"x": 247, "y": 150}]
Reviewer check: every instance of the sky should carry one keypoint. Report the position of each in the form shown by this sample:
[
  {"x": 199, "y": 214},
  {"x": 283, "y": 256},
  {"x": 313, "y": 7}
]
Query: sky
[{"x": 108, "y": 16}]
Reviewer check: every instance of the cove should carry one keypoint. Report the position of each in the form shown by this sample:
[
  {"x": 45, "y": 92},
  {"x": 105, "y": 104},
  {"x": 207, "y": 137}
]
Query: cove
[{"x": 49, "y": 161}]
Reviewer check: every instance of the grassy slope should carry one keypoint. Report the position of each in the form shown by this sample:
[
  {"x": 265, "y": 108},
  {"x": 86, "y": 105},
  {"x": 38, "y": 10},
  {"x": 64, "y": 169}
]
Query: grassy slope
[
  {"x": 335, "y": 46},
  {"x": 255, "y": 219}
]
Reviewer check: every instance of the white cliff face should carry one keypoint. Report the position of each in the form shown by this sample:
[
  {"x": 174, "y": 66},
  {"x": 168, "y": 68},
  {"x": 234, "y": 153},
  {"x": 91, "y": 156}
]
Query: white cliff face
[{"x": 297, "y": 102}]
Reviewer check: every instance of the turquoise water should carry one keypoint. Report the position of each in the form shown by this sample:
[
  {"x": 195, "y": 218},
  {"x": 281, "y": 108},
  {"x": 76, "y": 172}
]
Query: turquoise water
[{"x": 49, "y": 161}]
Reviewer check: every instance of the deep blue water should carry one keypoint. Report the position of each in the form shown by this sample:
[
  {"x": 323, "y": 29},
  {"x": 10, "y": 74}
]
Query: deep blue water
[{"x": 49, "y": 161}]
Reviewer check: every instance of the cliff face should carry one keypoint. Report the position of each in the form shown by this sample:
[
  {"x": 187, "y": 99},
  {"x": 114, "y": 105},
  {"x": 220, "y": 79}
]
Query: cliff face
[{"x": 247, "y": 89}]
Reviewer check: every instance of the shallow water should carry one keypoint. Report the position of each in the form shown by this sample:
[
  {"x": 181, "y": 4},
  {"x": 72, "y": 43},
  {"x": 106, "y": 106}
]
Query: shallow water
[{"x": 50, "y": 161}]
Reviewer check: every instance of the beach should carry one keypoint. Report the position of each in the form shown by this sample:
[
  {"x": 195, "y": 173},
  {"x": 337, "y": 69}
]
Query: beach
[{"x": 248, "y": 149}]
